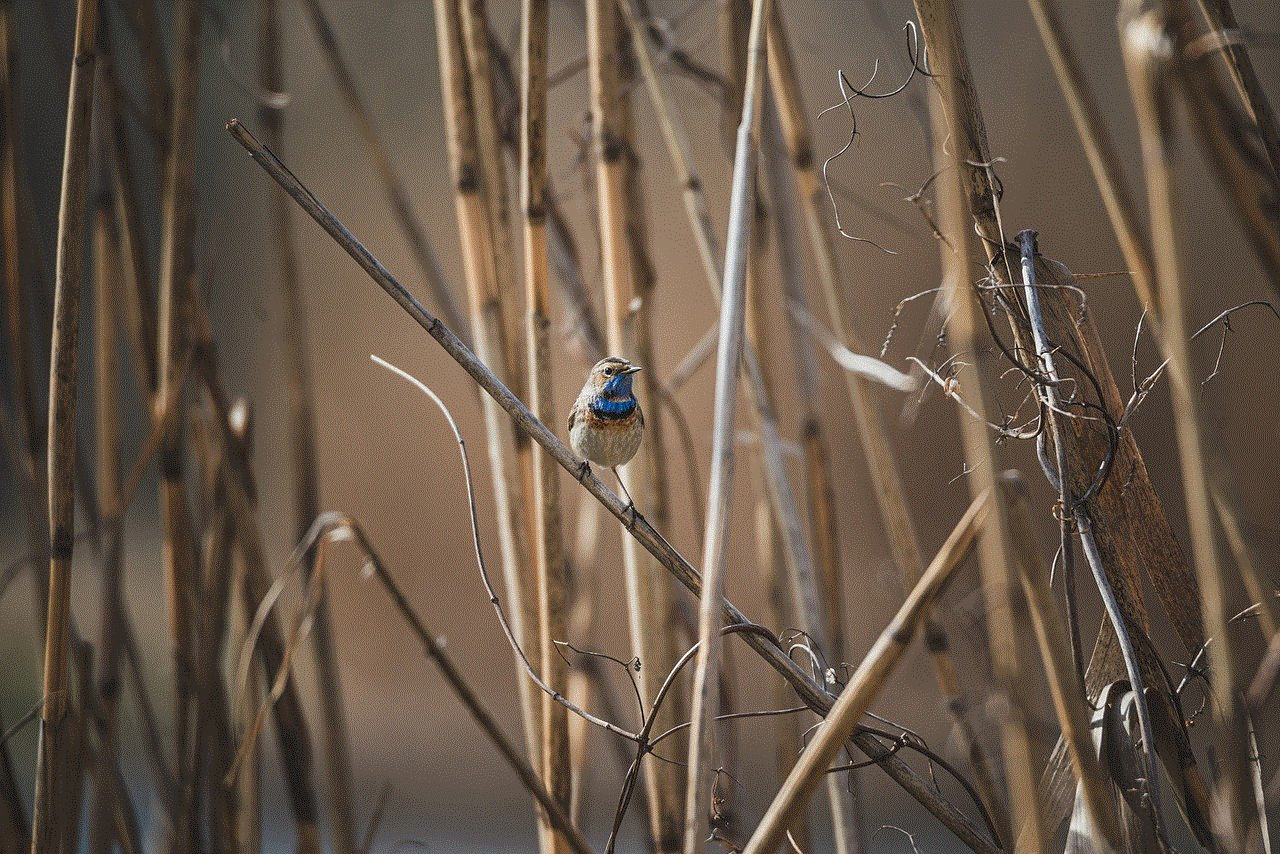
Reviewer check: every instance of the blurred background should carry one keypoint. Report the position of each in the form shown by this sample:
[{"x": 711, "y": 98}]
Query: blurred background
[{"x": 387, "y": 458}]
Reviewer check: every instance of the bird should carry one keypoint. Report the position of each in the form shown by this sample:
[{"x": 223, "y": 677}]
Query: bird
[{"x": 606, "y": 424}]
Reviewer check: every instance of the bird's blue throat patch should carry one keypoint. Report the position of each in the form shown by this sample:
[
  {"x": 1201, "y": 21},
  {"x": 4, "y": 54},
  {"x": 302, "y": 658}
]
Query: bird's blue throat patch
[
  {"x": 618, "y": 386},
  {"x": 606, "y": 408}
]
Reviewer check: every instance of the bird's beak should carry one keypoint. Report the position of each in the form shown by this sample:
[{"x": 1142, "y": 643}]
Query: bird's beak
[{"x": 631, "y": 370}]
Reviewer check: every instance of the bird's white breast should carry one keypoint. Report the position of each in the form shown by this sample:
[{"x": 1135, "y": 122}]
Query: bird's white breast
[{"x": 606, "y": 444}]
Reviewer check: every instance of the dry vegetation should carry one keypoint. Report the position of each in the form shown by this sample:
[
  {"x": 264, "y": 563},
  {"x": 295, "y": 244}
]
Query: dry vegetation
[{"x": 1128, "y": 764}]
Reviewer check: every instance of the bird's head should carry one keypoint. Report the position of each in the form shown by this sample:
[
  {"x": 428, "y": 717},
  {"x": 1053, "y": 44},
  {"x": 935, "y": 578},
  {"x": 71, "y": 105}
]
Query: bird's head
[{"x": 612, "y": 376}]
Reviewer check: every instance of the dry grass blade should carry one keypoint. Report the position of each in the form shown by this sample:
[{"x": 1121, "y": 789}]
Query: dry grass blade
[
  {"x": 51, "y": 823},
  {"x": 866, "y": 683},
  {"x": 809, "y": 692},
  {"x": 548, "y": 547}
]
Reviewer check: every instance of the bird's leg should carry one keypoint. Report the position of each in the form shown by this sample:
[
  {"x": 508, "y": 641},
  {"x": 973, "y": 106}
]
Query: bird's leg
[
  {"x": 583, "y": 471},
  {"x": 631, "y": 504}
]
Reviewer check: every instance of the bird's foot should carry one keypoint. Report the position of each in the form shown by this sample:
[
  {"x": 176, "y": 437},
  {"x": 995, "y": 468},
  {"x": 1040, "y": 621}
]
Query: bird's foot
[
  {"x": 630, "y": 510},
  {"x": 583, "y": 471}
]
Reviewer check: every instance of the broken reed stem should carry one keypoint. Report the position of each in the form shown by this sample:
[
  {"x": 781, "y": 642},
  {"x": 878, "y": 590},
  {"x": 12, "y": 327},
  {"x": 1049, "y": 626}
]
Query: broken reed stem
[
  {"x": 808, "y": 691},
  {"x": 1143, "y": 34},
  {"x": 397, "y": 196},
  {"x": 1073, "y": 716},
  {"x": 50, "y": 826},
  {"x": 490, "y": 339},
  {"x": 549, "y": 558},
  {"x": 302, "y": 439},
  {"x": 866, "y": 683},
  {"x": 939, "y": 20},
  {"x": 728, "y": 358}
]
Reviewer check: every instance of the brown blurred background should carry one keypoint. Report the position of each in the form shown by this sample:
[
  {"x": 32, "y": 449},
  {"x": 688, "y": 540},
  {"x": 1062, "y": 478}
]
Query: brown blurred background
[{"x": 387, "y": 458}]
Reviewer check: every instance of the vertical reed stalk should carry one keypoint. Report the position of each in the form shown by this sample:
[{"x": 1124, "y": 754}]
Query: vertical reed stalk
[
  {"x": 306, "y": 502},
  {"x": 1141, "y": 35},
  {"x": 51, "y": 827},
  {"x": 549, "y": 558},
  {"x": 488, "y": 314},
  {"x": 994, "y": 545},
  {"x": 650, "y": 604},
  {"x": 728, "y": 359}
]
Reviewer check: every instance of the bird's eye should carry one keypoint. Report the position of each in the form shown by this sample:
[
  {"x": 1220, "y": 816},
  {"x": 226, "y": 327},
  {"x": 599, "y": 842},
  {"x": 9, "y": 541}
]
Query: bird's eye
[{"x": 608, "y": 372}]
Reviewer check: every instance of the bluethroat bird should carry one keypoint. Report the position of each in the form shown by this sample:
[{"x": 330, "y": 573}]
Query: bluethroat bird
[{"x": 606, "y": 424}]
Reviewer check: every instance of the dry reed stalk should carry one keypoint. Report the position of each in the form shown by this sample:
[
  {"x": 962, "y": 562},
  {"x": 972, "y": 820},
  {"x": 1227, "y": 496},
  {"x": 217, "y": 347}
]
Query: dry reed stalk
[
  {"x": 650, "y": 604},
  {"x": 302, "y": 439},
  {"x": 549, "y": 558},
  {"x": 15, "y": 833},
  {"x": 882, "y": 466},
  {"x": 663, "y": 643},
  {"x": 488, "y": 314},
  {"x": 106, "y": 281},
  {"x": 1027, "y": 823},
  {"x": 51, "y": 826},
  {"x": 719, "y": 490},
  {"x": 392, "y": 186},
  {"x": 1142, "y": 38},
  {"x": 177, "y": 240},
  {"x": 1073, "y": 715},
  {"x": 867, "y": 681},
  {"x": 644, "y": 533}
]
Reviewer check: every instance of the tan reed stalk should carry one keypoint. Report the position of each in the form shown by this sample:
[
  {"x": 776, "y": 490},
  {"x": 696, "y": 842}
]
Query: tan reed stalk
[
  {"x": 106, "y": 281},
  {"x": 866, "y": 683},
  {"x": 248, "y": 783},
  {"x": 644, "y": 533},
  {"x": 176, "y": 269},
  {"x": 882, "y": 466},
  {"x": 1142, "y": 32},
  {"x": 728, "y": 357},
  {"x": 650, "y": 605},
  {"x": 488, "y": 314},
  {"x": 994, "y": 552},
  {"x": 302, "y": 438},
  {"x": 663, "y": 645},
  {"x": 51, "y": 827},
  {"x": 548, "y": 553},
  {"x": 392, "y": 186},
  {"x": 1073, "y": 715}
]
